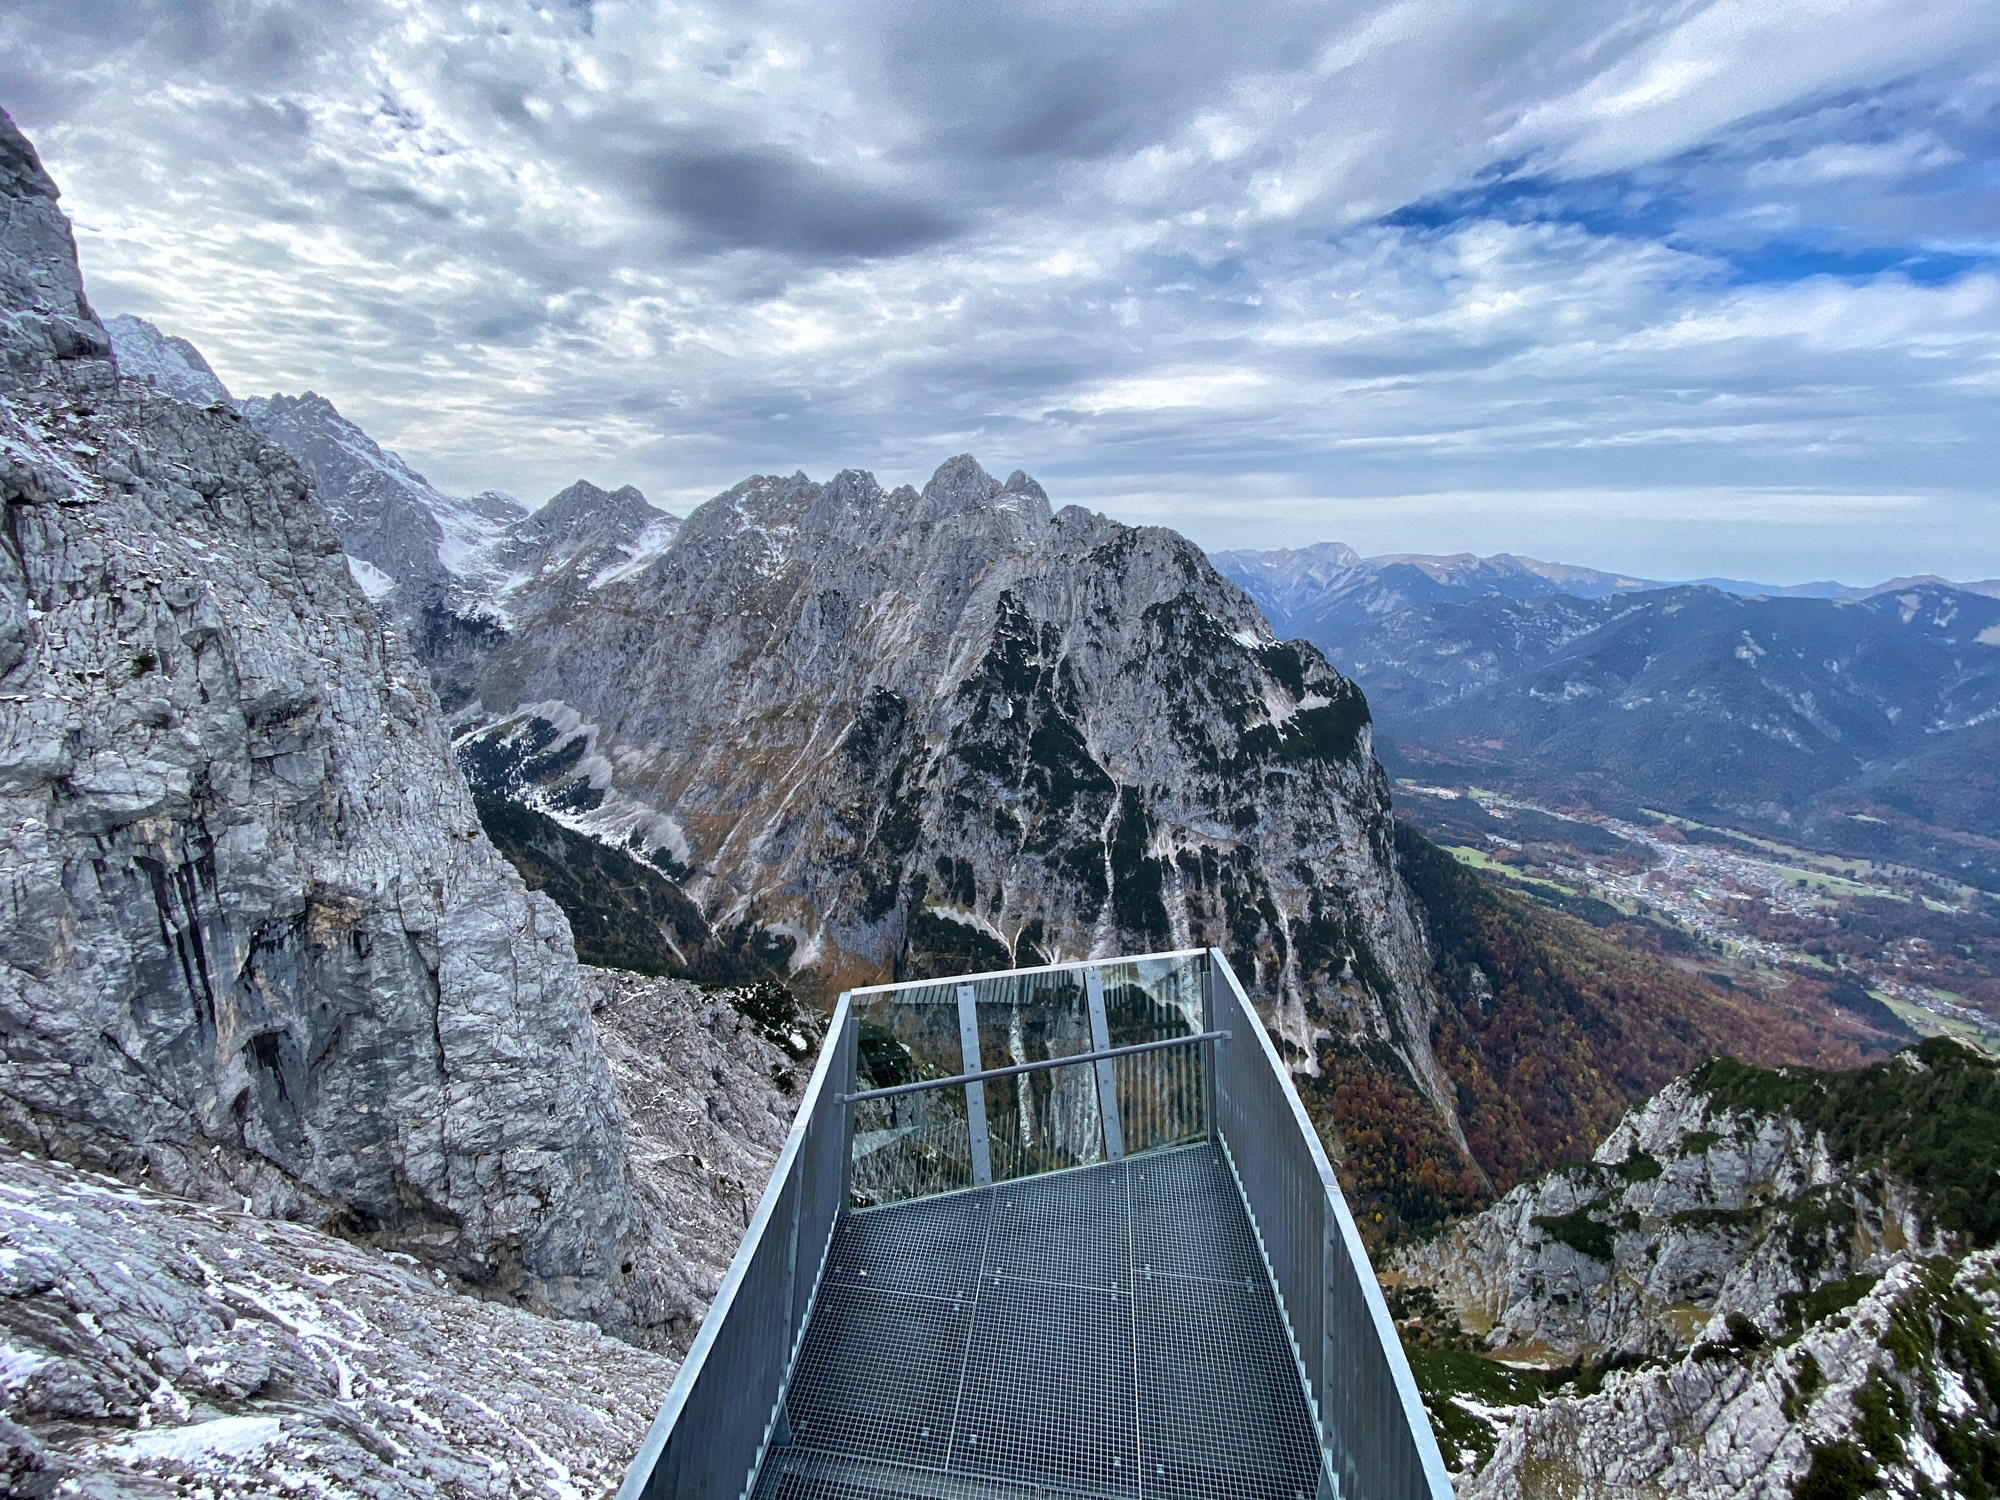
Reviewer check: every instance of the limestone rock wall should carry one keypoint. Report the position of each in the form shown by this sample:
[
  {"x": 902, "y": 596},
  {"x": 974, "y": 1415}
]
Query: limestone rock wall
[{"x": 252, "y": 941}]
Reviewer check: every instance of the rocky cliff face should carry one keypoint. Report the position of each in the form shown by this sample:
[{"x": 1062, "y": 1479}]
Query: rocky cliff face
[
  {"x": 1689, "y": 1213},
  {"x": 48, "y": 334},
  {"x": 1897, "y": 1395},
  {"x": 1761, "y": 1277},
  {"x": 900, "y": 731},
  {"x": 385, "y": 512},
  {"x": 149, "y": 1345},
  {"x": 254, "y": 942},
  {"x": 172, "y": 366}
]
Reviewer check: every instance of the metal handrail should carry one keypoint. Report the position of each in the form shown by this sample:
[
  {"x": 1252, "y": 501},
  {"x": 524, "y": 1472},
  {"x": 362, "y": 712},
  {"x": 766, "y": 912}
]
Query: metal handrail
[
  {"x": 983, "y": 1074},
  {"x": 1062, "y": 966},
  {"x": 1374, "y": 1431}
]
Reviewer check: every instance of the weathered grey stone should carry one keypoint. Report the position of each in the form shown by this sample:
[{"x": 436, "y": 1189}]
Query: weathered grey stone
[
  {"x": 152, "y": 1346},
  {"x": 48, "y": 334},
  {"x": 1747, "y": 1428},
  {"x": 173, "y": 366},
  {"x": 252, "y": 940}
]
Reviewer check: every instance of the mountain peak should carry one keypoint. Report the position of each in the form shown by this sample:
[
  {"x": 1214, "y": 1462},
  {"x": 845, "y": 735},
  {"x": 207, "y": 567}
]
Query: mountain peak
[
  {"x": 960, "y": 487},
  {"x": 173, "y": 365},
  {"x": 584, "y": 506}
]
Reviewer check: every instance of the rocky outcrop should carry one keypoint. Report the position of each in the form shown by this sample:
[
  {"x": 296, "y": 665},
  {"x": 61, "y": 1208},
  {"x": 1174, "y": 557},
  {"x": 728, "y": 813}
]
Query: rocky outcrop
[
  {"x": 707, "y": 1096},
  {"x": 147, "y": 1341},
  {"x": 1766, "y": 1284},
  {"x": 1689, "y": 1214},
  {"x": 903, "y": 730},
  {"x": 172, "y": 366},
  {"x": 253, "y": 942},
  {"x": 1898, "y": 1395},
  {"x": 151, "y": 1347},
  {"x": 48, "y": 334}
]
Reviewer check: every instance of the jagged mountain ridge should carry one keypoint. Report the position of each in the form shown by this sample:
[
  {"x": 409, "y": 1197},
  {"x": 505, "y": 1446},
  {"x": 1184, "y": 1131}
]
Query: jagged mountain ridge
[
  {"x": 171, "y": 365},
  {"x": 1767, "y": 1258},
  {"x": 904, "y": 729},
  {"x": 387, "y": 513},
  {"x": 582, "y": 538},
  {"x": 484, "y": 616},
  {"x": 429, "y": 557}
]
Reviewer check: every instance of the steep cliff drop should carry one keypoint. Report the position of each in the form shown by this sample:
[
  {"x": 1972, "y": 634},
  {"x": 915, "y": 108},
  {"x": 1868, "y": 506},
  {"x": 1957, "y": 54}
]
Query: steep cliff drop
[{"x": 254, "y": 944}]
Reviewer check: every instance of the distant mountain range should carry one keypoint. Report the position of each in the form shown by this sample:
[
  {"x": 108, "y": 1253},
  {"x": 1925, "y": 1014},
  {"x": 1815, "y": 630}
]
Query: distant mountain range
[
  {"x": 1869, "y": 721},
  {"x": 1321, "y": 591}
]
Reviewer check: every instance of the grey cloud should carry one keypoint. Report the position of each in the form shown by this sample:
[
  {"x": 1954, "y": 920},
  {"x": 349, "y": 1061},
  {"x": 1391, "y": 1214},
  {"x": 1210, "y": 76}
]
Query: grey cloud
[
  {"x": 1136, "y": 249},
  {"x": 773, "y": 200}
]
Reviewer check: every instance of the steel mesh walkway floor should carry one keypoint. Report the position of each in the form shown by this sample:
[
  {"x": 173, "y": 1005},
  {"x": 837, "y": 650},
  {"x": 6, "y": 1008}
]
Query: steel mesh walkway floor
[{"x": 1108, "y": 1331}]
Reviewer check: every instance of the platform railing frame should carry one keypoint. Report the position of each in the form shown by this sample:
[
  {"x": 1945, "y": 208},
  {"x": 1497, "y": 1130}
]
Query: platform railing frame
[
  {"x": 1374, "y": 1431},
  {"x": 726, "y": 1407}
]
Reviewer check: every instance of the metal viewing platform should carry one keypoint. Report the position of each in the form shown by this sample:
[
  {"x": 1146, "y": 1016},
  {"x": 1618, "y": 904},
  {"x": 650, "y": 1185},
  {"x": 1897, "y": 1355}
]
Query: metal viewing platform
[{"x": 1060, "y": 1232}]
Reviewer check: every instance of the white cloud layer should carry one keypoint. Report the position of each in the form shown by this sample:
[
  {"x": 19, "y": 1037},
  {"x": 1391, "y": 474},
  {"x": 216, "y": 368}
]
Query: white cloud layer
[{"x": 1688, "y": 288}]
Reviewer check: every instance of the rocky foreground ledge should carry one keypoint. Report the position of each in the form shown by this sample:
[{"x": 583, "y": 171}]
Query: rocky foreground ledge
[
  {"x": 153, "y": 1345},
  {"x": 157, "y": 1346}
]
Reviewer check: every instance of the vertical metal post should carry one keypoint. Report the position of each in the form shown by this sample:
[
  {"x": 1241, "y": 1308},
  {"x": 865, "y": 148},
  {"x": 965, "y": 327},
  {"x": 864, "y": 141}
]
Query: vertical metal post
[
  {"x": 1107, "y": 1068},
  {"x": 975, "y": 1093},
  {"x": 844, "y": 1068},
  {"x": 1210, "y": 1053}
]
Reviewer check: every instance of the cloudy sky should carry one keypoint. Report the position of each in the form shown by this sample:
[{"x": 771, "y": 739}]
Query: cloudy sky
[{"x": 1675, "y": 286}]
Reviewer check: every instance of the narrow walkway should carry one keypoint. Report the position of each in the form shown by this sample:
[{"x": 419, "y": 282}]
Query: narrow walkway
[{"x": 1108, "y": 1331}]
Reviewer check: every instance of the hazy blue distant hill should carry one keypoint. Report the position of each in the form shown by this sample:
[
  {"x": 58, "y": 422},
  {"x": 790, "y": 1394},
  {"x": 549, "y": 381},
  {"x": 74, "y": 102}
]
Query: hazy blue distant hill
[
  {"x": 1874, "y": 722},
  {"x": 1323, "y": 590},
  {"x": 1320, "y": 592}
]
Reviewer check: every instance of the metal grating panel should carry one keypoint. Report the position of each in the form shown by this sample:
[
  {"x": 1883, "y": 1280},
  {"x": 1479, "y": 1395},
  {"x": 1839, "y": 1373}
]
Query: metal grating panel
[
  {"x": 932, "y": 1245},
  {"x": 1118, "y": 1340},
  {"x": 1188, "y": 1220},
  {"x": 1221, "y": 1410},
  {"x": 1048, "y": 1394},
  {"x": 1067, "y": 1227},
  {"x": 878, "y": 1375}
]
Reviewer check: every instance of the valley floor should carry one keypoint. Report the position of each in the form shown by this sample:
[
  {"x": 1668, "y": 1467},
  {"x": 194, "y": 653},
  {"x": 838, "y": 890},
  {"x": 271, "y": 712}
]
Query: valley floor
[{"x": 1751, "y": 909}]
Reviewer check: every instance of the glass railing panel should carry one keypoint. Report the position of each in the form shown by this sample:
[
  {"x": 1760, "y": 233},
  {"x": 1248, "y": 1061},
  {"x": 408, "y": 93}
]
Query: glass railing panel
[
  {"x": 1162, "y": 1098},
  {"x": 1044, "y": 1121},
  {"x": 909, "y": 1146},
  {"x": 917, "y": 1143},
  {"x": 1151, "y": 999}
]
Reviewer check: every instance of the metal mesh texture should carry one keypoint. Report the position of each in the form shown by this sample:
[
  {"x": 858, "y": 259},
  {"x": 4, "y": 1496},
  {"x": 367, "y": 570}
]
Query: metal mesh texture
[{"x": 1104, "y": 1332}]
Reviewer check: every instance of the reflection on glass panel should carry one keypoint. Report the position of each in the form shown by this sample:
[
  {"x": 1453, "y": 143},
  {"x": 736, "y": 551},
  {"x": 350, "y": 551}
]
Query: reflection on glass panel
[
  {"x": 1042, "y": 1121},
  {"x": 910, "y": 1146},
  {"x": 1162, "y": 1098}
]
